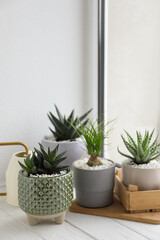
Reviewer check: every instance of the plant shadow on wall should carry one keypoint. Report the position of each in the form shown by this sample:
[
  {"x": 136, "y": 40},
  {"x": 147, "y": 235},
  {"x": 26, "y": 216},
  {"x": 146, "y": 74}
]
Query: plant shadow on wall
[
  {"x": 94, "y": 177},
  {"x": 65, "y": 133},
  {"x": 142, "y": 167},
  {"x": 44, "y": 188}
]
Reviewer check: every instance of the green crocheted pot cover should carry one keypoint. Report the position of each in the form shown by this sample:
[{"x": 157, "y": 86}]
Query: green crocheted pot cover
[{"x": 45, "y": 196}]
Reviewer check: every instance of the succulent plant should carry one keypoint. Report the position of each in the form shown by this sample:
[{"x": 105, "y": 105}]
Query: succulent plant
[
  {"x": 66, "y": 128},
  {"x": 142, "y": 151},
  {"x": 44, "y": 161},
  {"x": 93, "y": 137}
]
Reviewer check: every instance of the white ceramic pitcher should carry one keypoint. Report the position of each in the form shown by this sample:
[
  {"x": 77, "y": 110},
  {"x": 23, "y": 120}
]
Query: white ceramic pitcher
[{"x": 12, "y": 173}]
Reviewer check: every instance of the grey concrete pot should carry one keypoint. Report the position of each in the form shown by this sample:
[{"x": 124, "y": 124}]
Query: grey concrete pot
[
  {"x": 73, "y": 149},
  {"x": 145, "y": 179},
  {"x": 94, "y": 188}
]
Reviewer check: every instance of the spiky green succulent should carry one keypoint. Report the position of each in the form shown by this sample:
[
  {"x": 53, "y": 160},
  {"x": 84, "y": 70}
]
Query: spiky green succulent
[
  {"x": 66, "y": 128},
  {"x": 142, "y": 151},
  {"x": 44, "y": 161}
]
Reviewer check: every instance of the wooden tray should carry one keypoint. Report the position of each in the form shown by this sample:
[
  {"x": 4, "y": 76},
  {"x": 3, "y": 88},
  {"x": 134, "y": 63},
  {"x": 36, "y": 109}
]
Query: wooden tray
[
  {"x": 116, "y": 210},
  {"x": 134, "y": 200}
]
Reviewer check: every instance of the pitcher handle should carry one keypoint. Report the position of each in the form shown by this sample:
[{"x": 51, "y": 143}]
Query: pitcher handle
[{"x": 13, "y": 143}]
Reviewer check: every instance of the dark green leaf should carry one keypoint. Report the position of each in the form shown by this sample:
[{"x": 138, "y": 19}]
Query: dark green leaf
[
  {"x": 47, "y": 165},
  {"x": 84, "y": 115},
  {"x": 59, "y": 114}
]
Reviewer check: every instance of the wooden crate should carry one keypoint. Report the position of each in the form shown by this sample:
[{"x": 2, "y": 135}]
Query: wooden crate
[{"x": 134, "y": 200}]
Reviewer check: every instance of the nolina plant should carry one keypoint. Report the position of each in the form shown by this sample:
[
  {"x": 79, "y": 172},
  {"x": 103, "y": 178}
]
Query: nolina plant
[
  {"x": 142, "y": 151},
  {"x": 93, "y": 136}
]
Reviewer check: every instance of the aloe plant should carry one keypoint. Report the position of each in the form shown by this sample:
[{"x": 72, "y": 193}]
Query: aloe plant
[
  {"x": 142, "y": 151},
  {"x": 93, "y": 136},
  {"x": 66, "y": 128},
  {"x": 44, "y": 161}
]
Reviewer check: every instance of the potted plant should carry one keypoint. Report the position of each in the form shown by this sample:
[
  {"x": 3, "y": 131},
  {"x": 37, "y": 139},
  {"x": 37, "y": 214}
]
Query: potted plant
[
  {"x": 44, "y": 188},
  {"x": 66, "y": 135},
  {"x": 94, "y": 176},
  {"x": 142, "y": 167}
]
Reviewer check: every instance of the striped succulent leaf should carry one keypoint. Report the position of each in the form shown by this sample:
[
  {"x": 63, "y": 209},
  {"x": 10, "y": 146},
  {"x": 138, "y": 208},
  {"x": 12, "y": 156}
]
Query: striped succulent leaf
[{"x": 142, "y": 151}]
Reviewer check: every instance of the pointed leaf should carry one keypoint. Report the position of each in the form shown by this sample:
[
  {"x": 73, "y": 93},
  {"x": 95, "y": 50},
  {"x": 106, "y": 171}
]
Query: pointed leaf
[
  {"x": 45, "y": 155},
  {"x": 55, "y": 150},
  {"x": 150, "y": 137},
  {"x": 146, "y": 155},
  {"x": 145, "y": 141},
  {"x": 125, "y": 155},
  {"x": 140, "y": 150},
  {"x": 139, "y": 137},
  {"x": 129, "y": 146},
  {"x": 34, "y": 170},
  {"x": 59, "y": 114},
  {"x": 24, "y": 167},
  {"x": 154, "y": 157},
  {"x": 27, "y": 161},
  {"x": 47, "y": 164},
  {"x": 84, "y": 115},
  {"x": 57, "y": 135},
  {"x": 57, "y": 161},
  {"x": 56, "y": 122},
  {"x": 57, "y": 169},
  {"x": 71, "y": 117},
  {"x": 131, "y": 139}
]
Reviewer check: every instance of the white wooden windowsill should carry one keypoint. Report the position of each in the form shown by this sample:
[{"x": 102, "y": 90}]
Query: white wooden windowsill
[{"x": 14, "y": 225}]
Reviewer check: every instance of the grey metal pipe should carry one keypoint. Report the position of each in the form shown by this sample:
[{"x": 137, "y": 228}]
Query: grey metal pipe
[{"x": 101, "y": 60}]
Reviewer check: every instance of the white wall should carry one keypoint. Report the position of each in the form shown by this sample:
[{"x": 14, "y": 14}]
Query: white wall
[
  {"x": 134, "y": 67},
  {"x": 48, "y": 54}
]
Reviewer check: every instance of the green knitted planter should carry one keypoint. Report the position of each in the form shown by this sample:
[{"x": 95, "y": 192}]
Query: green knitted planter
[{"x": 45, "y": 196}]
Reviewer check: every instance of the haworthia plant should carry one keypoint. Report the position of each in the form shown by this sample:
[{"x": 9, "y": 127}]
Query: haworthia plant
[
  {"x": 142, "y": 151},
  {"x": 66, "y": 128},
  {"x": 44, "y": 161}
]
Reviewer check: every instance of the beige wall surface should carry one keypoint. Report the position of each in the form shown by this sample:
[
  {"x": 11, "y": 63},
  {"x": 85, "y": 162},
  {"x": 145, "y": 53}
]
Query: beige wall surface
[{"x": 134, "y": 67}]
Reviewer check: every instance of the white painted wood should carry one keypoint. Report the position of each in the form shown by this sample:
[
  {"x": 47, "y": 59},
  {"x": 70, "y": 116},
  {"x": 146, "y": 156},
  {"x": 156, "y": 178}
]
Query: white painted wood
[
  {"x": 10, "y": 228},
  {"x": 46, "y": 229},
  {"x": 14, "y": 225},
  {"x": 102, "y": 228},
  {"x": 151, "y": 231}
]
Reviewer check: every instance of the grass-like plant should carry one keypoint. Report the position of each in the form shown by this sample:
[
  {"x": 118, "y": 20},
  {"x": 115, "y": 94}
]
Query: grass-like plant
[
  {"x": 142, "y": 151},
  {"x": 66, "y": 128},
  {"x": 44, "y": 161},
  {"x": 93, "y": 136}
]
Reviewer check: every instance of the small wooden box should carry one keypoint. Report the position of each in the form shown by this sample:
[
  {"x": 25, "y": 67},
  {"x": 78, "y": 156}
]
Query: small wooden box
[{"x": 134, "y": 200}]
